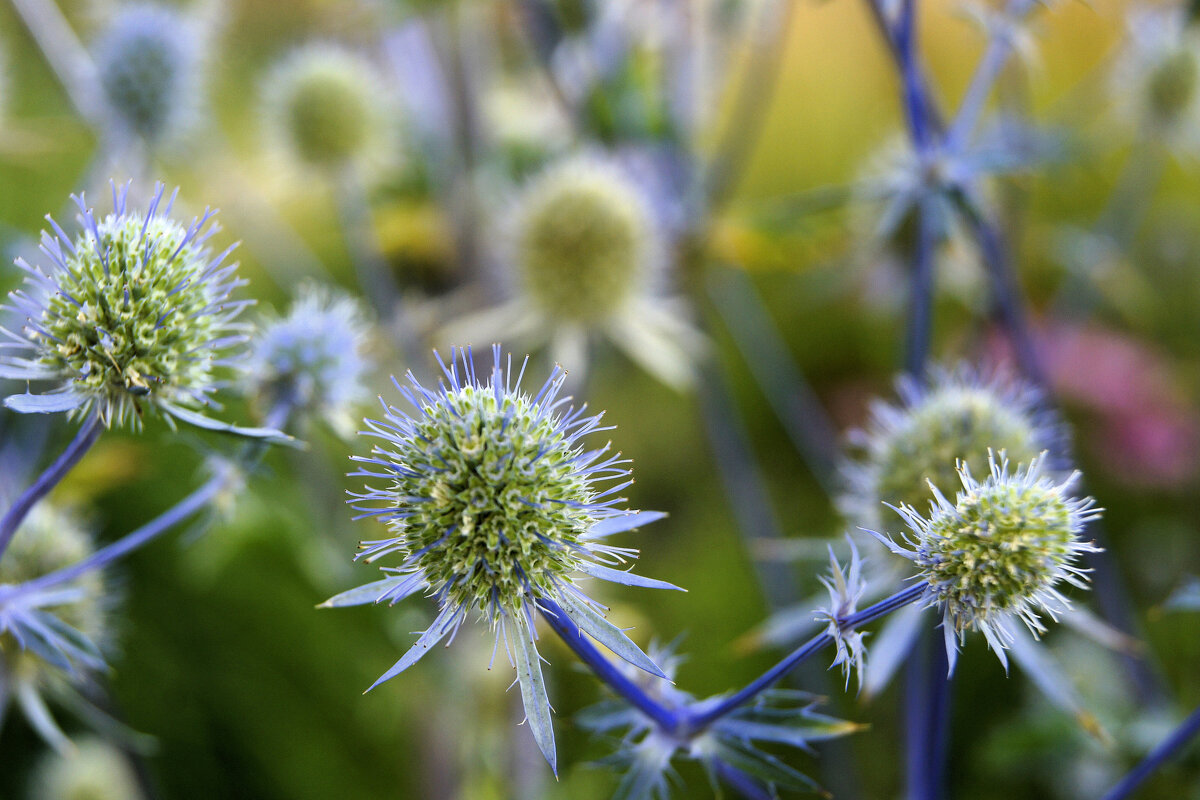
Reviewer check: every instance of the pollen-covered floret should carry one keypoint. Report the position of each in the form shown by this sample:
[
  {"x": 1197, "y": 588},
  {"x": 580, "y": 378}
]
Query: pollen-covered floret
[
  {"x": 583, "y": 241},
  {"x": 312, "y": 358},
  {"x": 496, "y": 506},
  {"x": 960, "y": 416},
  {"x": 1000, "y": 551},
  {"x": 132, "y": 312}
]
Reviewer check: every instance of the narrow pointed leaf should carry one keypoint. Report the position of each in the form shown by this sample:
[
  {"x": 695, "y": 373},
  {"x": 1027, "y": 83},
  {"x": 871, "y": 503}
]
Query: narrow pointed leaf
[
  {"x": 43, "y": 403},
  {"x": 373, "y": 592},
  {"x": 432, "y": 635},
  {"x": 592, "y": 623},
  {"x": 26, "y": 371},
  {"x": 623, "y": 577},
  {"x": 625, "y": 522},
  {"x": 209, "y": 424},
  {"x": 533, "y": 692}
]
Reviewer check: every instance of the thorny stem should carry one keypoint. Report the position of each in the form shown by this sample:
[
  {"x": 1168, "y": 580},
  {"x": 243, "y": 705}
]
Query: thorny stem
[{"x": 88, "y": 433}]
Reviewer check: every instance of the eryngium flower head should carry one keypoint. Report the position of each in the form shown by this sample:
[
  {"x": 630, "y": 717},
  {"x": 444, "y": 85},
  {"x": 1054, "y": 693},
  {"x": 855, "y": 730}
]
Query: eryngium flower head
[
  {"x": 312, "y": 358},
  {"x": 583, "y": 244},
  {"x": 323, "y": 105},
  {"x": 494, "y": 505},
  {"x": 133, "y": 311},
  {"x": 147, "y": 61},
  {"x": 95, "y": 770},
  {"x": 960, "y": 416},
  {"x": 1156, "y": 79},
  {"x": 999, "y": 551}
]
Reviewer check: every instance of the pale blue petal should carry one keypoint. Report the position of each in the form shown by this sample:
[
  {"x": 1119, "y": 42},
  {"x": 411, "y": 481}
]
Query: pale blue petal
[
  {"x": 44, "y": 403},
  {"x": 210, "y": 424},
  {"x": 432, "y": 635},
  {"x": 625, "y": 522},
  {"x": 533, "y": 690},
  {"x": 374, "y": 592}
]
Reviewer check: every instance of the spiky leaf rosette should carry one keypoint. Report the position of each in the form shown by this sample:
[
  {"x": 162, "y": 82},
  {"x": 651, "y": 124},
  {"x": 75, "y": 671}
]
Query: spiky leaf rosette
[
  {"x": 961, "y": 415},
  {"x": 133, "y": 312},
  {"x": 583, "y": 242},
  {"x": 999, "y": 552},
  {"x": 323, "y": 104},
  {"x": 148, "y": 63},
  {"x": 493, "y": 503}
]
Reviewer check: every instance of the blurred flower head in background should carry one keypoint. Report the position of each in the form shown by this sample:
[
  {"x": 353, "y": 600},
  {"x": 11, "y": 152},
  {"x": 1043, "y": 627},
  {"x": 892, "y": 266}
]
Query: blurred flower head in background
[
  {"x": 1156, "y": 78},
  {"x": 95, "y": 770},
  {"x": 313, "y": 358},
  {"x": 148, "y": 60},
  {"x": 962, "y": 415},
  {"x": 324, "y": 106},
  {"x": 133, "y": 312},
  {"x": 587, "y": 254}
]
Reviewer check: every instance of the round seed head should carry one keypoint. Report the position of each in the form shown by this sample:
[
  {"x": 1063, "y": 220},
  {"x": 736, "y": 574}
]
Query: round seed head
[
  {"x": 313, "y": 357},
  {"x": 95, "y": 770},
  {"x": 322, "y": 103},
  {"x": 582, "y": 240},
  {"x": 132, "y": 311},
  {"x": 1000, "y": 550},
  {"x": 148, "y": 64},
  {"x": 960, "y": 417}
]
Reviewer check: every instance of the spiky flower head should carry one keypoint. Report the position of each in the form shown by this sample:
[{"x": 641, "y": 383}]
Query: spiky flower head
[
  {"x": 495, "y": 506},
  {"x": 323, "y": 103},
  {"x": 132, "y": 312},
  {"x": 583, "y": 240},
  {"x": 95, "y": 770},
  {"x": 148, "y": 62},
  {"x": 999, "y": 552},
  {"x": 312, "y": 358},
  {"x": 959, "y": 416}
]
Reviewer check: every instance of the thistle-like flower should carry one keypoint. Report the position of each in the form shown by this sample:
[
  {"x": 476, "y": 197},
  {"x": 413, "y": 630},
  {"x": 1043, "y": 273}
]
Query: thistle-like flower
[
  {"x": 323, "y": 106},
  {"x": 312, "y": 358},
  {"x": 846, "y": 587},
  {"x": 999, "y": 552},
  {"x": 960, "y": 416},
  {"x": 96, "y": 770},
  {"x": 48, "y": 639},
  {"x": 585, "y": 254},
  {"x": 494, "y": 507},
  {"x": 133, "y": 312},
  {"x": 148, "y": 62}
]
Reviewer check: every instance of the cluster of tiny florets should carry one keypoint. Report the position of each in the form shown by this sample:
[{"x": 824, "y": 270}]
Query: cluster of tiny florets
[
  {"x": 133, "y": 310},
  {"x": 959, "y": 417},
  {"x": 1000, "y": 549},
  {"x": 147, "y": 62},
  {"x": 490, "y": 493},
  {"x": 582, "y": 240},
  {"x": 323, "y": 104},
  {"x": 312, "y": 358}
]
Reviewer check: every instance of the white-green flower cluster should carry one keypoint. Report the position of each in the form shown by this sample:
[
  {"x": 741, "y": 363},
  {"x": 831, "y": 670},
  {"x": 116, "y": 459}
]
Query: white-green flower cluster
[
  {"x": 999, "y": 552},
  {"x": 960, "y": 416},
  {"x": 325, "y": 107},
  {"x": 133, "y": 312}
]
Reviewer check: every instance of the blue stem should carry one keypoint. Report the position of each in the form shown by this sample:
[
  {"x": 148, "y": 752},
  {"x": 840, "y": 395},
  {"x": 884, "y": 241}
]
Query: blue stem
[
  {"x": 1161, "y": 754},
  {"x": 745, "y": 785},
  {"x": 16, "y": 513},
  {"x": 927, "y": 716},
  {"x": 920, "y": 321},
  {"x": 772, "y": 676}
]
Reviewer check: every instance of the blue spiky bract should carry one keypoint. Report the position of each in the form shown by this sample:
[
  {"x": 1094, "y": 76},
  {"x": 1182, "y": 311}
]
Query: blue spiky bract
[
  {"x": 132, "y": 312},
  {"x": 493, "y": 504}
]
